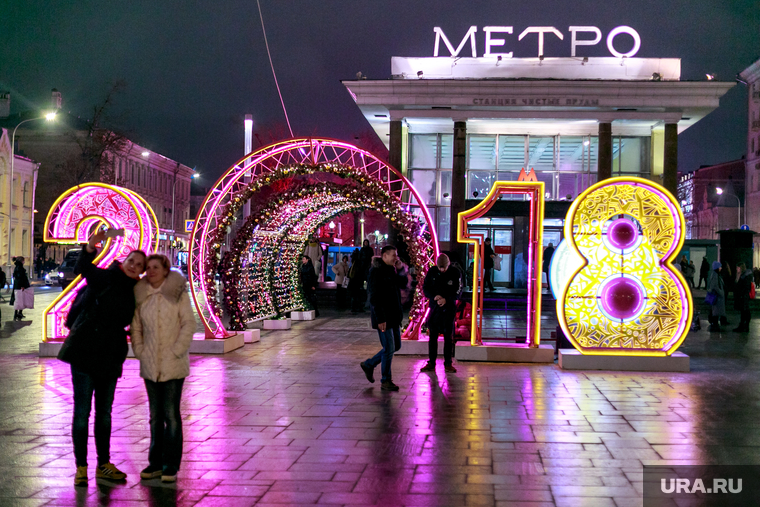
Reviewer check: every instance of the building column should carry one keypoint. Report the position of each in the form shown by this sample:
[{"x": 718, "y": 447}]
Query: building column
[
  {"x": 395, "y": 160},
  {"x": 458, "y": 187},
  {"x": 670, "y": 160},
  {"x": 604, "y": 157}
]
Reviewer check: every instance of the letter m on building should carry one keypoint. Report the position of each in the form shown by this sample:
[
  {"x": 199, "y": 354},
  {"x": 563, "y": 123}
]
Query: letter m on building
[
  {"x": 531, "y": 176},
  {"x": 469, "y": 35}
]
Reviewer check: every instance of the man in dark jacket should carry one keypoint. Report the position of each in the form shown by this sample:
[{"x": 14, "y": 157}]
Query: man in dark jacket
[
  {"x": 386, "y": 278},
  {"x": 96, "y": 349},
  {"x": 442, "y": 287},
  {"x": 704, "y": 270},
  {"x": 741, "y": 297},
  {"x": 309, "y": 282}
]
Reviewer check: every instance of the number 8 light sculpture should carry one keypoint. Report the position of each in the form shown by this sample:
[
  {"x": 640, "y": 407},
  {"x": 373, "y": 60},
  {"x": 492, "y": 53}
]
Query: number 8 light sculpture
[
  {"x": 625, "y": 297},
  {"x": 71, "y": 220}
]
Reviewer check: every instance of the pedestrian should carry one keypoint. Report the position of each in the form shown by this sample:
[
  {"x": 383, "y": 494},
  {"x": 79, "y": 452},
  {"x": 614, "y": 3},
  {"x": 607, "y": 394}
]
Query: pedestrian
[
  {"x": 403, "y": 250},
  {"x": 718, "y": 308},
  {"x": 309, "y": 283},
  {"x": 488, "y": 256},
  {"x": 162, "y": 331},
  {"x": 692, "y": 272},
  {"x": 683, "y": 263},
  {"x": 741, "y": 297},
  {"x": 365, "y": 261},
  {"x": 548, "y": 253},
  {"x": 442, "y": 286},
  {"x": 386, "y": 278},
  {"x": 704, "y": 270},
  {"x": 341, "y": 280},
  {"x": 355, "y": 283},
  {"x": 20, "y": 283},
  {"x": 756, "y": 275},
  {"x": 96, "y": 349}
]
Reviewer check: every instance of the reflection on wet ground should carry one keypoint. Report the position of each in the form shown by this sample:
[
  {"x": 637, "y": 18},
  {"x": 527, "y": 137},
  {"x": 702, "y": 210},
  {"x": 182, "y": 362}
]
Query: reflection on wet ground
[{"x": 292, "y": 420}]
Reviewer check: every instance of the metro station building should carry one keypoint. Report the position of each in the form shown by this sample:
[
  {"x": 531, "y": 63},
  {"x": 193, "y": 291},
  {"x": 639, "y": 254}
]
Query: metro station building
[{"x": 456, "y": 125}]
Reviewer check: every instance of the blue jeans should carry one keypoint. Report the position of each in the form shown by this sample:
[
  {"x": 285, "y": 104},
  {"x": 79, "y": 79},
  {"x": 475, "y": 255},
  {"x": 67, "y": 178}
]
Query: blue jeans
[
  {"x": 390, "y": 339},
  {"x": 165, "y": 423},
  {"x": 104, "y": 389}
]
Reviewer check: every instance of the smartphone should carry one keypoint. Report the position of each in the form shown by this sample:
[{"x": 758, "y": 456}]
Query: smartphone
[{"x": 112, "y": 233}]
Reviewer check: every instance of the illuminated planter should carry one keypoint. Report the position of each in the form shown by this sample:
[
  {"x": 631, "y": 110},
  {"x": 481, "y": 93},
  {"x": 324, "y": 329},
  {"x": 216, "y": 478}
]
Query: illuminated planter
[
  {"x": 619, "y": 294},
  {"x": 71, "y": 219}
]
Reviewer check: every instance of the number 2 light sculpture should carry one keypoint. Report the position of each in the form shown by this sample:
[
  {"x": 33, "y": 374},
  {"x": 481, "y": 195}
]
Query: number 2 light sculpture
[{"x": 71, "y": 219}]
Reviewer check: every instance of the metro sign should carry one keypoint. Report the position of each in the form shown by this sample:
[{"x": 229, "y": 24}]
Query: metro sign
[{"x": 492, "y": 42}]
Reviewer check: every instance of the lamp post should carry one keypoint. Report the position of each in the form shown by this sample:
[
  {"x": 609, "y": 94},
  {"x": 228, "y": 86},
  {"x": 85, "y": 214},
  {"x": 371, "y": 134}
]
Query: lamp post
[
  {"x": 48, "y": 117},
  {"x": 738, "y": 209}
]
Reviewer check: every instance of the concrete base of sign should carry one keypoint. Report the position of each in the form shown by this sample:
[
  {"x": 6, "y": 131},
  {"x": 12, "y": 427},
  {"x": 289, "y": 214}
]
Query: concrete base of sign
[
  {"x": 251, "y": 335},
  {"x": 310, "y": 315},
  {"x": 277, "y": 324},
  {"x": 571, "y": 359},
  {"x": 199, "y": 345},
  {"x": 498, "y": 353}
]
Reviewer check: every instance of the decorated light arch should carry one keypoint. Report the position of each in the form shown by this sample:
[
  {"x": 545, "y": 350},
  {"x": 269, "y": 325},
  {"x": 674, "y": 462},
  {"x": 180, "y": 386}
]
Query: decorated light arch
[
  {"x": 293, "y": 187},
  {"x": 72, "y": 218}
]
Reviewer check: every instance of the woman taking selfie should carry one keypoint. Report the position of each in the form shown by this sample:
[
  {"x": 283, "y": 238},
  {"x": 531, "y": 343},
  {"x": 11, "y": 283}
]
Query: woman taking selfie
[
  {"x": 96, "y": 349},
  {"x": 162, "y": 330}
]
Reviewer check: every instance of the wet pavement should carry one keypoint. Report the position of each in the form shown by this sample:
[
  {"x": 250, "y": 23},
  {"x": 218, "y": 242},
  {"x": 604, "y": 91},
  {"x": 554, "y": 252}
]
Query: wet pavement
[{"x": 292, "y": 421}]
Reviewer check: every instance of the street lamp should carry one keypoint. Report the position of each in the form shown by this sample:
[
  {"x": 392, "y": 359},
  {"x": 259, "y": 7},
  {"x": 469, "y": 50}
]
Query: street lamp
[
  {"x": 738, "y": 209},
  {"x": 49, "y": 117}
]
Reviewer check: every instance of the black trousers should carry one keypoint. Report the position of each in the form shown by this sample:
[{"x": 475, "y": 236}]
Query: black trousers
[
  {"x": 488, "y": 276},
  {"x": 434, "y": 332}
]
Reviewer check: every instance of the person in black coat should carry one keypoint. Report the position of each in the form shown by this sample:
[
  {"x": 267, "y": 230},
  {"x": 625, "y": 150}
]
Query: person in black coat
[
  {"x": 387, "y": 277},
  {"x": 443, "y": 284},
  {"x": 488, "y": 255},
  {"x": 741, "y": 297},
  {"x": 20, "y": 282},
  {"x": 96, "y": 349},
  {"x": 704, "y": 270},
  {"x": 309, "y": 281}
]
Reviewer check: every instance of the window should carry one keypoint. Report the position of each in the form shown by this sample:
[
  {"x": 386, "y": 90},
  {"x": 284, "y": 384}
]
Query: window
[
  {"x": 481, "y": 153},
  {"x": 424, "y": 152},
  {"x": 27, "y": 198},
  {"x": 630, "y": 156}
]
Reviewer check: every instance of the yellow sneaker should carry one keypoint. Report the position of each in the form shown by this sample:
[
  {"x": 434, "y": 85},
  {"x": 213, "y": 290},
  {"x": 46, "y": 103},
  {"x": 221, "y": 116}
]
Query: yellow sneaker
[
  {"x": 80, "y": 479},
  {"x": 110, "y": 472}
]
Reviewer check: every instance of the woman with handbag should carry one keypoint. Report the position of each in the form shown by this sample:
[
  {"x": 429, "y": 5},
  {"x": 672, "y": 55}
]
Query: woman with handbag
[
  {"x": 717, "y": 294},
  {"x": 341, "y": 280},
  {"x": 20, "y": 285},
  {"x": 96, "y": 349},
  {"x": 162, "y": 331}
]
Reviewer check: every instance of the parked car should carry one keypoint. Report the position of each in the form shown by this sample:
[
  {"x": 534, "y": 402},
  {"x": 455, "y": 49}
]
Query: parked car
[{"x": 66, "y": 269}]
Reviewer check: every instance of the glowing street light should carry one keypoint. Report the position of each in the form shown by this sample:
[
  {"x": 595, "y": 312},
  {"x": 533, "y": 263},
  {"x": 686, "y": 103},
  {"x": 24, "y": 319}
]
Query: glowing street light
[
  {"x": 738, "y": 204},
  {"x": 49, "y": 117},
  {"x": 146, "y": 153}
]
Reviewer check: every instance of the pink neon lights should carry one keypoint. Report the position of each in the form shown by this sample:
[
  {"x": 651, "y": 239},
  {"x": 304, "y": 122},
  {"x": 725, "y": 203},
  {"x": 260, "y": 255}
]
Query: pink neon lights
[
  {"x": 72, "y": 218},
  {"x": 264, "y": 161}
]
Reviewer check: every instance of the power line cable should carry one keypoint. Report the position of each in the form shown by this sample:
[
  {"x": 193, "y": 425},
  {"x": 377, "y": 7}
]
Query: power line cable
[{"x": 261, "y": 17}]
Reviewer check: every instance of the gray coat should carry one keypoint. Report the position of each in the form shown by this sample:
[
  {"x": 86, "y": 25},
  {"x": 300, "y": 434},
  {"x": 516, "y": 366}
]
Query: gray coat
[{"x": 715, "y": 284}]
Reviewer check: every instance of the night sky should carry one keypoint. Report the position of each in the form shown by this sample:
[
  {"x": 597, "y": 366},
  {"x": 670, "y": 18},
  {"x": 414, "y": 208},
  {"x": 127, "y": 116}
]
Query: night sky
[{"x": 193, "y": 69}]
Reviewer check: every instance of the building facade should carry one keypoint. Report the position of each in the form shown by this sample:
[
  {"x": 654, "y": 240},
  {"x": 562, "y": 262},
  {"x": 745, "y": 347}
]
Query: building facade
[
  {"x": 456, "y": 125},
  {"x": 751, "y": 75},
  {"x": 164, "y": 183},
  {"x": 16, "y": 204}
]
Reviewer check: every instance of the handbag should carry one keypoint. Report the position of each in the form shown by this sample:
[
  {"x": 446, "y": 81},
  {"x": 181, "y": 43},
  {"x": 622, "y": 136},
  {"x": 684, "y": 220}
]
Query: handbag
[
  {"x": 752, "y": 290},
  {"x": 711, "y": 298},
  {"x": 24, "y": 299},
  {"x": 497, "y": 263},
  {"x": 345, "y": 282}
]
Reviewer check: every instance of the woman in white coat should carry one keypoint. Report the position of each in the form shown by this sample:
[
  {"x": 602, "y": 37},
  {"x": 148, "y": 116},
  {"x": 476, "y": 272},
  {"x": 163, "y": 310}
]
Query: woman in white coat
[{"x": 162, "y": 331}]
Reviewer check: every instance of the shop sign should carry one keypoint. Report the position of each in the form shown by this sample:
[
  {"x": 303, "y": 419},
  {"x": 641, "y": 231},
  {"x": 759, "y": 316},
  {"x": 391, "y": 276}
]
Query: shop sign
[
  {"x": 541, "y": 31},
  {"x": 534, "y": 101},
  {"x": 189, "y": 224}
]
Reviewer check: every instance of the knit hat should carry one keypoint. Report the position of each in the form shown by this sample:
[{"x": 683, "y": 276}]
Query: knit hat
[{"x": 716, "y": 265}]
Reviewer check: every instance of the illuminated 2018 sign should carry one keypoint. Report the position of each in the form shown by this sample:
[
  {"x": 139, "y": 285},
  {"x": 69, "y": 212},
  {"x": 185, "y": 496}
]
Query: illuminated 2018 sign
[
  {"x": 71, "y": 219},
  {"x": 540, "y": 31},
  {"x": 622, "y": 296},
  {"x": 616, "y": 290}
]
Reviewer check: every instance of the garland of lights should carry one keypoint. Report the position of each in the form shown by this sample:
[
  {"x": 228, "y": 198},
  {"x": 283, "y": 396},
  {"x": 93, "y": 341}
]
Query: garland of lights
[{"x": 266, "y": 233}]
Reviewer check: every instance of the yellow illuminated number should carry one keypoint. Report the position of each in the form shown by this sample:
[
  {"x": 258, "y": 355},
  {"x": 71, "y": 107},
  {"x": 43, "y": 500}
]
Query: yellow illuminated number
[{"x": 625, "y": 298}]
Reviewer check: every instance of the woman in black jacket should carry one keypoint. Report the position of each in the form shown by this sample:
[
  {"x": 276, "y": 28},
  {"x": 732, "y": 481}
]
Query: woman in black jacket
[
  {"x": 741, "y": 297},
  {"x": 20, "y": 282},
  {"x": 96, "y": 349}
]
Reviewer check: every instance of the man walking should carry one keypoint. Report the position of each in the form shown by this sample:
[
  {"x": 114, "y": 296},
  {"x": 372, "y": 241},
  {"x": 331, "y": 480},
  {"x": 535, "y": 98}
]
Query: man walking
[
  {"x": 488, "y": 255},
  {"x": 386, "y": 278},
  {"x": 442, "y": 286}
]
